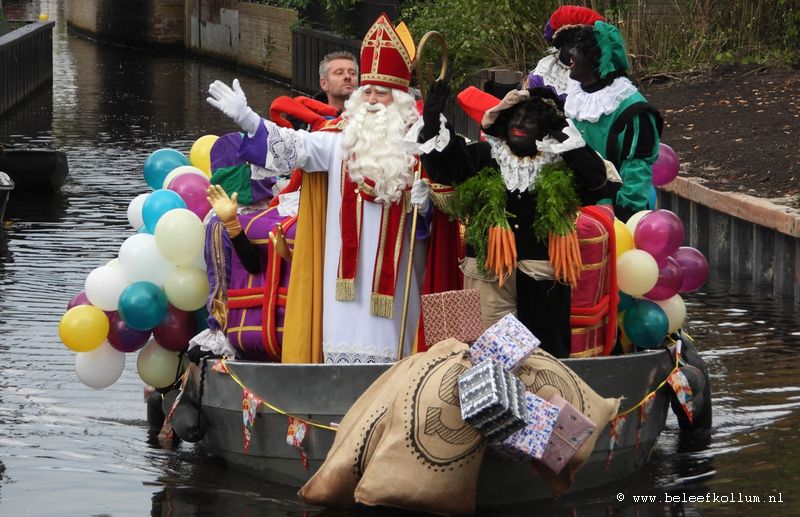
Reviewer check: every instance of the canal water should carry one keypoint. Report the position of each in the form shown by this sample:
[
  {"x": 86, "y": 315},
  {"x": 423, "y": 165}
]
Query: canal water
[{"x": 68, "y": 450}]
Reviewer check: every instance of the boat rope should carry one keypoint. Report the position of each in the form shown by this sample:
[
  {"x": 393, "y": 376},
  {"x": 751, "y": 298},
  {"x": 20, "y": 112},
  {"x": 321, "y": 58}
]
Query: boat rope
[
  {"x": 203, "y": 366},
  {"x": 267, "y": 404}
]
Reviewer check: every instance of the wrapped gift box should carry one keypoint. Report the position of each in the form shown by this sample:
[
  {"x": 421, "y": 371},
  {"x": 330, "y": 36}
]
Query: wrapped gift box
[
  {"x": 508, "y": 342},
  {"x": 572, "y": 428},
  {"x": 492, "y": 400},
  {"x": 530, "y": 442},
  {"x": 452, "y": 314}
]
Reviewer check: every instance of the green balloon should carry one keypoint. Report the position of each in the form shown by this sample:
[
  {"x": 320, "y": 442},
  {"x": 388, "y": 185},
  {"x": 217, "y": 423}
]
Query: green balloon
[{"x": 646, "y": 324}]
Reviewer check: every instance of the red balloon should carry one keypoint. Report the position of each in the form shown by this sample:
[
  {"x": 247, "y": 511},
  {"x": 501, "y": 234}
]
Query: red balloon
[
  {"x": 122, "y": 337},
  {"x": 694, "y": 268},
  {"x": 192, "y": 189},
  {"x": 666, "y": 167},
  {"x": 176, "y": 330},
  {"x": 78, "y": 299},
  {"x": 669, "y": 281}
]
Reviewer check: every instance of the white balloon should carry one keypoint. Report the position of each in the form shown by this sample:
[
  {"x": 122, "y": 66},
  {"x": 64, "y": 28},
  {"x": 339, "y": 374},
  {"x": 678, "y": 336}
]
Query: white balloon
[
  {"x": 180, "y": 236},
  {"x": 634, "y": 220},
  {"x": 104, "y": 285},
  {"x": 675, "y": 309},
  {"x": 101, "y": 367},
  {"x": 637, "y": 272},
  {"x": 183, "y": 169},
  {"x": 157, "y": 366},
  {"x": 135, "y": 217},
  {"x": 141, "y": 260}
]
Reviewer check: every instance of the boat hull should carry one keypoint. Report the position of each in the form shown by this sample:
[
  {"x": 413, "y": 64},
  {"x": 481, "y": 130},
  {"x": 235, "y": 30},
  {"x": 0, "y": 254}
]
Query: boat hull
[
  {"x": 35, "y": 170},
  {"x": 6, "y": 186},
  {"x": 323, "y": 394}
]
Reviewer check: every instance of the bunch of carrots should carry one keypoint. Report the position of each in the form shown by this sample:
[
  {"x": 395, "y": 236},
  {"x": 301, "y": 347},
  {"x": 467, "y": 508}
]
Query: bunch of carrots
[
  {"x": 565, "y": 256},
  {"x": 501, "y": 252}
]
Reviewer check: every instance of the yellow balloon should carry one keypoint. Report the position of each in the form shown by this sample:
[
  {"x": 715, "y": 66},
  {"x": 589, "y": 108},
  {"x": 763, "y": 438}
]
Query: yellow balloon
[
  {"x": 83, "y": 328},
  {"x": 187, "y": 288},
  {"x": 623, "y": 237},
  {"x": 200, "y": 154},
  {"x": 43, "y": 17},
  {"x": 627, "y": 344}
]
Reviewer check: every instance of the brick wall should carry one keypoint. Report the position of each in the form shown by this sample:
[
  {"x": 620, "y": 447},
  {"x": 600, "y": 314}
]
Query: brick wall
[
  {"x": 167, "y": 22},
  {"x": 265, "y": 38},
  {"x": 133, "y": 21}
]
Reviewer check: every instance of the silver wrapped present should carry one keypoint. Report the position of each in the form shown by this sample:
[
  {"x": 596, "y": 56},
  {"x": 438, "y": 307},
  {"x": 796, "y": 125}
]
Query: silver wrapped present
[
  {"x": 492, "y": 400},
  {"x": 508, "y": 342}
]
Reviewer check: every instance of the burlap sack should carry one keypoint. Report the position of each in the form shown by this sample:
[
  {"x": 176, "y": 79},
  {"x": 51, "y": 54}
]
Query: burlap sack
[
  {"x": 358, "y": 434},
  {"x": 428, "y": 458},
  {"x": 546, "y": 376}
]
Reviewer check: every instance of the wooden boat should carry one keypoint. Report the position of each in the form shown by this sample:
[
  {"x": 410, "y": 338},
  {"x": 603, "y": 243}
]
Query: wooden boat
[
  {"x": 323, "y": 394},
  {"x": 6, "y": 186},
  {"x": 35, "y": 170}
]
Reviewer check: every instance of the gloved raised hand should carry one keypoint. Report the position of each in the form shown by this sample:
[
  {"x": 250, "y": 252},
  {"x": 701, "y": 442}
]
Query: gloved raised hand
[
  {"x": 435, "y": 103},
  {"x": 421, "y": 195},
  {"x": 225, "y": 207},
  {"x": 233, "y": 103}
]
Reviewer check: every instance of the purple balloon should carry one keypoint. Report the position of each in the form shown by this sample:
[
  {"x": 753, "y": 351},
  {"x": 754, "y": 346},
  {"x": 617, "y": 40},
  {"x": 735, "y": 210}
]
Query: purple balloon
[
  {"x": 666, "y": 167},
  {"x": 659, "y": 233},
  {"x": 193, "y": 190},
  {"x": 694, "y": 268},
  {"x": 78, "y": 299},
  {"x": 122, "y": 337},
  {"x": 176, "y": 330},
  {"x": 669, "y": 281}
]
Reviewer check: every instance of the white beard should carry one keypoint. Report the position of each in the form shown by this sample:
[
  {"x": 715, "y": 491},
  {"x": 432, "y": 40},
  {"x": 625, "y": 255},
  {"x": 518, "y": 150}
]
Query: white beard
[{"x": 373, "y": 146}]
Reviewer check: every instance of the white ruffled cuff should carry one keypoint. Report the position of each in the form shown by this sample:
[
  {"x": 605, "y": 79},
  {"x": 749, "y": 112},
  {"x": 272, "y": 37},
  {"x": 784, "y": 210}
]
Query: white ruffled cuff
[
  {"x": 214, "y": 341},
  {"x": 284, "y": 149},
  {"x": 574, "y": 141},
  {"x": 437, "y": 143}
]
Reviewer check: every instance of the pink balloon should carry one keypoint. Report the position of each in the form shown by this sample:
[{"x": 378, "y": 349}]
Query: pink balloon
[
  {"x": 666, "y": 167},
  {"x": 192, "y": 189},
  {"x": 176, "y": 330},
  {"x": 659, "y": 233},
  {"x": 694, "y": 268},
  {"x": 78, "y": 299},
  {"x": 669, "y": 281}
]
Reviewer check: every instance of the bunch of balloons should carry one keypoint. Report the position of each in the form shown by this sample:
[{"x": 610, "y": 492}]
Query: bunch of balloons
[
  {"x": 652, "y": 270},
  {"x": 151, "y": 298}
]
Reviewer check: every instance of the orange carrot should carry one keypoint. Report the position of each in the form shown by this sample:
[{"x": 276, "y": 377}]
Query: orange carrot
[{"x": 512, "y": 241}]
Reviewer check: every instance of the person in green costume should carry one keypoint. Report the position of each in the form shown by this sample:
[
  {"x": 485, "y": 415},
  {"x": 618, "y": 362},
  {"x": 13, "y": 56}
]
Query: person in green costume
[{"x": 611, "y": 114}]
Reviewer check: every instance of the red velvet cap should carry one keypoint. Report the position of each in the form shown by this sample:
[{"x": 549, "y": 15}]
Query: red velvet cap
[
  {"x": 572, "y": 16},
  {"x": 385, "y": 61}
]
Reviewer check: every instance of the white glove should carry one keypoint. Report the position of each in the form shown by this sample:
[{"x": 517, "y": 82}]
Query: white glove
[
  {"x": 233, "y": 103},
  {"x": 421, "y": 195}
]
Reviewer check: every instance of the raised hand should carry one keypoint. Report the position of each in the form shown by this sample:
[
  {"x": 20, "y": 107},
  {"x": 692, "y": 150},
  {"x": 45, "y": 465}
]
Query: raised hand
[
  {"x": 233, "y": 103},
  {"x": 435, "y": 102},
  {"x": 225, "y": 207}
]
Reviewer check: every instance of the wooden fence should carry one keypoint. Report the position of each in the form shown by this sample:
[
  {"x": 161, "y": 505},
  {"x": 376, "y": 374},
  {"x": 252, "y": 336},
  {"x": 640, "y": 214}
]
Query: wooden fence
[{"x": 26, "y": 62}]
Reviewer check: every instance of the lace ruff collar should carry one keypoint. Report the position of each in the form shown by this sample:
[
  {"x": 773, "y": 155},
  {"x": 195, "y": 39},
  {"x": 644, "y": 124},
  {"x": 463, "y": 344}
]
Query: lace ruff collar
[
  {"x": 519, "y": 173},
  {"x": 581, "y": 105},
  {"x": 554, "y": 74}
]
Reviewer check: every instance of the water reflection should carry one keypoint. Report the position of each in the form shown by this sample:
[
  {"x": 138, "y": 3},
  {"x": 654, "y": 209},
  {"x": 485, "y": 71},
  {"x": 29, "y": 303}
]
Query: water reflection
[{"x": 111, "y": 107}]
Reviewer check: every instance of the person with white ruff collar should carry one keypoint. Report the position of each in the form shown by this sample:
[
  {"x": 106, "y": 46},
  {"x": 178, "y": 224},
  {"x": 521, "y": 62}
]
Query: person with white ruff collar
[
  {"x": 533, "y": 171},
  {"x": 370, "y": 166}
]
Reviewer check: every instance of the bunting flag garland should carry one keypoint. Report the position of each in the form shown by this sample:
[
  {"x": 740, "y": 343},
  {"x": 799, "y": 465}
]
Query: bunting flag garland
[
  {"x": 249, "y": 408},
  {"x": 220, "y": 367},
  {"x": 615, "y": 432},
  {"x": 644, "y": 412},
  {"x": 683, "y": 391},
  {"x": 167, "y": 434},
  {"x": 294, "y": 437}
]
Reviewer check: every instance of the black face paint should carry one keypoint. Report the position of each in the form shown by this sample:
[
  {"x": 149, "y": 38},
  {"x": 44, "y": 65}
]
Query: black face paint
[
  {"x": 582, "y": 67},
  {"x": 523, "y": 132}
]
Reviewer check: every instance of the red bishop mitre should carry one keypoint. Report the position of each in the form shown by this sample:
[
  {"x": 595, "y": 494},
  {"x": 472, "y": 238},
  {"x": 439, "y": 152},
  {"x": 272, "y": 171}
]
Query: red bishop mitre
[{"x": 385, "y": 61}]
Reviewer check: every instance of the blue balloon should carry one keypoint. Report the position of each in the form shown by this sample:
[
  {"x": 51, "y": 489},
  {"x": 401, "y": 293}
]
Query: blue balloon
[
  {"x": 142, "y": 305},
  {"x": 646, "y": 324},
  {"x": 651, "y": 198},
  {"x": 160, "y": 163},
  {"x": 157, "y": 204},
  {"x": 625, "y": 301}
]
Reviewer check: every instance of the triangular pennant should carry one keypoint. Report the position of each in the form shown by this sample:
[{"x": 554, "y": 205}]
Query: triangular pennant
[
  {"x": 220, "y": 367},
  {"x": 644, "y": 412},
  {"x": 683, "y": 391},
  {"x": 250, "y": 405},
  {"x": 615, "y": 432},
  {"x": 294, "y": 437}
]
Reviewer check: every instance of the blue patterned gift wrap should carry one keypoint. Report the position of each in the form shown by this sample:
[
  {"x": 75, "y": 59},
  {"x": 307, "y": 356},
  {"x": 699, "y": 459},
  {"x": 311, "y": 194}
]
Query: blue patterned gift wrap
[
  {"x": 508, "y": 342},
  {"x": 492, "y": 400},
  {"x": 530, "y": 442}
]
